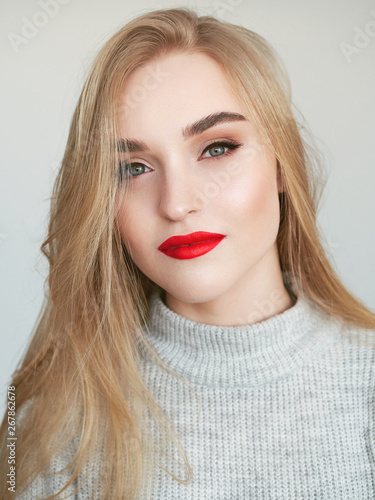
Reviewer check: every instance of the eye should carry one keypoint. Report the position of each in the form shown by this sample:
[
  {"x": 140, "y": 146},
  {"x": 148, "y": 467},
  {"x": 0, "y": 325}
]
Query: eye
[
  {"x": 128, "y": 170},
  {"x": 217, "y": 149}
]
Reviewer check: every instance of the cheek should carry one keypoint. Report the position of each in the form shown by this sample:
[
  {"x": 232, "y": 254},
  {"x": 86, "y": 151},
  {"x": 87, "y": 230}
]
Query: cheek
[
  {"x": 137, "y": 234},
  {"x": 253, "y": 202},
  {"x": 129, "y": 223}
]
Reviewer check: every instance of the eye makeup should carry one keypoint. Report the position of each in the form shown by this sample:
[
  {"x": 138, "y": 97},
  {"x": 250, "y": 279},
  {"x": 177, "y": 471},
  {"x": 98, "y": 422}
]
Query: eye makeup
[{"x": 125, "y": 167}]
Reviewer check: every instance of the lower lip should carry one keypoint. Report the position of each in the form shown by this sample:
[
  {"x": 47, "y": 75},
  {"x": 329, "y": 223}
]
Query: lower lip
[{"x": 192, "y": 251}]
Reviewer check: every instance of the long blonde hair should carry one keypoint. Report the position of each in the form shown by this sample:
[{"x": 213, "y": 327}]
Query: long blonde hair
[{"x": 81, "y": 368}]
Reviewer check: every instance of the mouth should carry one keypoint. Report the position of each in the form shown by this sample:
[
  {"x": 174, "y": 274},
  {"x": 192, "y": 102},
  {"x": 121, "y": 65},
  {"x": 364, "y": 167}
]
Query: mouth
[{"x": 191, "y": 245}]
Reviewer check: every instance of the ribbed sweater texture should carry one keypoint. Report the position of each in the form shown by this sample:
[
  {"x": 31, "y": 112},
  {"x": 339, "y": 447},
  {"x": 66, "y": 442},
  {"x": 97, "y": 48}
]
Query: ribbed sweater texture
[{"x": 278, "y": 410}]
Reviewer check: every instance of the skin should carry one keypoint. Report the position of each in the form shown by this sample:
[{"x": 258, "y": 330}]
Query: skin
[{"x": 238, "y": 282}]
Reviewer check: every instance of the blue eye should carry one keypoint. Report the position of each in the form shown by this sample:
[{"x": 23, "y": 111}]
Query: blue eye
[
  {"x": 218, "y": 149},
  {"x": 127, "y": 170}
]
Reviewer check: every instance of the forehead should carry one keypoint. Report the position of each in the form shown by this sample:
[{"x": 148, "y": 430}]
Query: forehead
[{"x": 178, "y": 87}]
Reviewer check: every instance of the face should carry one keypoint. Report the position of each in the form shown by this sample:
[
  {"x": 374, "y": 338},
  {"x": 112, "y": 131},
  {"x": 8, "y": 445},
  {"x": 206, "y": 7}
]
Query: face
[{"x": 197, "y": 175}]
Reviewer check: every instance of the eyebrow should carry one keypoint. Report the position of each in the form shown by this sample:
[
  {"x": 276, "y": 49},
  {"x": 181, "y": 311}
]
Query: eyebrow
[{"x": 196, "y": 128}]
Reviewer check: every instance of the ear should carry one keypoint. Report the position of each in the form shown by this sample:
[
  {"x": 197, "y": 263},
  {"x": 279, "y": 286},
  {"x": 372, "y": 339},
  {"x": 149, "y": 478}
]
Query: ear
[{"x": 280, "y": 182}]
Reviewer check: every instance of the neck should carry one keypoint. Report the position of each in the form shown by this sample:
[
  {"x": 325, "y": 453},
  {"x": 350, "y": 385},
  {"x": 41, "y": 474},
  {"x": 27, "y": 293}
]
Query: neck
[{"x": 234, "y": 313}]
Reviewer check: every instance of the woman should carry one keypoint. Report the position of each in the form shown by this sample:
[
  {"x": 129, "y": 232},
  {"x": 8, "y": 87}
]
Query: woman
[{"x": 191, "y": 308}]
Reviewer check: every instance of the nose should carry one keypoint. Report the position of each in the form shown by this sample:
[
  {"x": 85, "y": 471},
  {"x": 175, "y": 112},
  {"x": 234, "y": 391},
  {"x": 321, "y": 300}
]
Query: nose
[{"x": 179, "y": 194}]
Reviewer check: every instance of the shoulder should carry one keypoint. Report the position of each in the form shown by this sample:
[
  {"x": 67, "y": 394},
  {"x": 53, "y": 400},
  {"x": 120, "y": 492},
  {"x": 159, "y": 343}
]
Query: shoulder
[
  {"x": 360, "y": 342},
  {"x": 355, "y": 337},
  {"x": 351, "y": 348},
  {"x": 343, "y": 344}
]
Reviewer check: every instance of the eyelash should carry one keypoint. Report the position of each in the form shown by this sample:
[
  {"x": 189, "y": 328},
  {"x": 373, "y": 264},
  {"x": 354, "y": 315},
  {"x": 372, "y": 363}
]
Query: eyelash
[{"x": 231, "y": 145}]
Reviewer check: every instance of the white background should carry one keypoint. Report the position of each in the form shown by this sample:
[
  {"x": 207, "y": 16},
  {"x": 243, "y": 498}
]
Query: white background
[{"x": 41, "y": 81}]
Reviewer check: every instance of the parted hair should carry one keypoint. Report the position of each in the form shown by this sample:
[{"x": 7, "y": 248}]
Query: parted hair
[{"x": 78, "y": 382}]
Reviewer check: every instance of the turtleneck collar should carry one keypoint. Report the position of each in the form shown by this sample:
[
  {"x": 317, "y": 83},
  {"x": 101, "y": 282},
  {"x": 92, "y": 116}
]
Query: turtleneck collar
[{"x": 235, "y": 356}]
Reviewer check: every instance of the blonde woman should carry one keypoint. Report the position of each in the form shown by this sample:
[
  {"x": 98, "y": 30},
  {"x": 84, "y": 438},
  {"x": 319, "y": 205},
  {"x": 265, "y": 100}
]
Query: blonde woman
[{"x": 195, "y": 342}]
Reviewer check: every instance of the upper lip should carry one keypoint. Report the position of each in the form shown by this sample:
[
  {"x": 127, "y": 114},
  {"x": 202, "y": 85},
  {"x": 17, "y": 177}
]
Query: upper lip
[{"x": 188, "y": 239}]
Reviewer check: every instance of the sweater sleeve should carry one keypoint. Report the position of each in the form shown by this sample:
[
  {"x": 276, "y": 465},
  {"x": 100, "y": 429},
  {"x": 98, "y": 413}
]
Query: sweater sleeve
[
  {"x": 48, "y": 483},
  {"x": 86, "y": 486},
  {"x": 53, "y": 478}
]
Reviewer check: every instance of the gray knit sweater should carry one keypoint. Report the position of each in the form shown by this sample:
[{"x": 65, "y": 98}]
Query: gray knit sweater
[{"x": 282, "y": 409}]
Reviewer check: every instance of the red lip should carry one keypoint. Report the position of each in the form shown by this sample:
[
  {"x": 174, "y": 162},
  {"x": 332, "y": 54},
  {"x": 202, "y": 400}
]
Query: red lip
[{"x": 191, "y": 245}]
